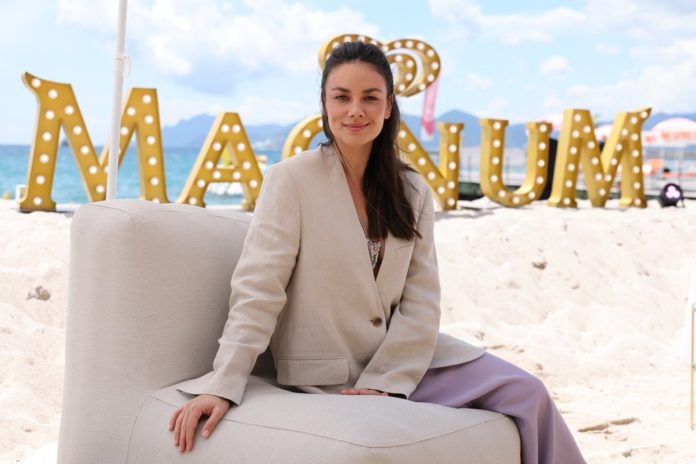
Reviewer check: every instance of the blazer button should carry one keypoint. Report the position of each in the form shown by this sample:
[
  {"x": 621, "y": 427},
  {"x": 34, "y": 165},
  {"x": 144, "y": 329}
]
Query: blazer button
[{"x": 377, "y": 321}]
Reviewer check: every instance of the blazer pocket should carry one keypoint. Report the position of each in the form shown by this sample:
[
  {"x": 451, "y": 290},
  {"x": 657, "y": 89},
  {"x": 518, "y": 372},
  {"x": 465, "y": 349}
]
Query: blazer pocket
[{"x": 312, "y": 371}]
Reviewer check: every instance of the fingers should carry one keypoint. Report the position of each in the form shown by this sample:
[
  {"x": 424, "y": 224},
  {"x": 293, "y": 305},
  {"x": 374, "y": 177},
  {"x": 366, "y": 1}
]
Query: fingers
[
  {"x": 192, "y": 421},
  {"x": 185, "y": 420},
  {"x": 363, "y": 391},
  {"x": 182, "y": 430},
  {"x": 211, "y": 423},
  {"x": 177, "y": 426},
  {"x": 172, "y": 421}
]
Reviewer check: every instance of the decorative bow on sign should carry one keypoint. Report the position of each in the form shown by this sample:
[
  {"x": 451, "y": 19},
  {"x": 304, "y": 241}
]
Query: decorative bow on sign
[{"x": 417, "y": 63}]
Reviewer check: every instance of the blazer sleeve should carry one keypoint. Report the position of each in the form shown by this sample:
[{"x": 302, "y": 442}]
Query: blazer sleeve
[
  {"x": 258, "y": 288},
  {"x": 405, "y": 354}
]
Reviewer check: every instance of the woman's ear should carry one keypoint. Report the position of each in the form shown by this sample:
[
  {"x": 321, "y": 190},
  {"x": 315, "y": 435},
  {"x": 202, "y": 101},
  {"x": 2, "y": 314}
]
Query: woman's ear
[{"x": 390, "y": 104}]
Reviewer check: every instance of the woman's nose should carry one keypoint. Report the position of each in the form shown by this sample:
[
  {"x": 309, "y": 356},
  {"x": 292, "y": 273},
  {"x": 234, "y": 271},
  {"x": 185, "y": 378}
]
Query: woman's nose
[{"x": 356, "y": 109}]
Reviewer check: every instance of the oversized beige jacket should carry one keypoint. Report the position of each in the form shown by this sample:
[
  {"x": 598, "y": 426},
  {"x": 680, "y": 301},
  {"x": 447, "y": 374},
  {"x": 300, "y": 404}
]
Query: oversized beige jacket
[{"x": 304, "y": 284}]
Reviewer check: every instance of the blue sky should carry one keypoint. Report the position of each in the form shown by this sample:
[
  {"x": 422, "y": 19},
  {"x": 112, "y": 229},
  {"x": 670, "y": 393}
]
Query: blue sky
[{"x": 520, "y": 61}]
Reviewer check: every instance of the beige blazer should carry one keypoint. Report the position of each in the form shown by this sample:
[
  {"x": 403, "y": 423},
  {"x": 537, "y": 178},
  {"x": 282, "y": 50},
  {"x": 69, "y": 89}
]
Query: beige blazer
[{"x": 304, "y": 284}]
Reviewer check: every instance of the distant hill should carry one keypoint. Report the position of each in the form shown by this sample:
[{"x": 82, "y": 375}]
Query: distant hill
[{"x": 192, "y": 132}]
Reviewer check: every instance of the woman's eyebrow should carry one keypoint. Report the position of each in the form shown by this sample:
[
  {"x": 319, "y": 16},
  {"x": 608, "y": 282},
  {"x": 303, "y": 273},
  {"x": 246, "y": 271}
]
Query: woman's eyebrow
[{"x": 370, "y": 90}]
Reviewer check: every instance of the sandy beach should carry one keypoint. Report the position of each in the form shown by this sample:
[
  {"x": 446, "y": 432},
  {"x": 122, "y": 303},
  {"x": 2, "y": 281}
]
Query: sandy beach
[{"x": 590, "y": 300}]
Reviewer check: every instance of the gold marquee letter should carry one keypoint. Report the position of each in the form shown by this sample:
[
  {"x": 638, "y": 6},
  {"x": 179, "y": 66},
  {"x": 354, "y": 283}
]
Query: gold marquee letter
[
  {"x": 227, "y": 132},
  {"x": 577, "y": 145},
  {"x": 301, "y": 135},
  {"x": 492, "y": 150},
  {"x": 58, "y": 107},
  {"x": 444, "y": 182}
]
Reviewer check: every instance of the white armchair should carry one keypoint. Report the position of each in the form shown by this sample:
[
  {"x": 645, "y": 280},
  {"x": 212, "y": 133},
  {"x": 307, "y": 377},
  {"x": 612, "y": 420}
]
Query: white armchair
[{"x": 148, "y": 299}]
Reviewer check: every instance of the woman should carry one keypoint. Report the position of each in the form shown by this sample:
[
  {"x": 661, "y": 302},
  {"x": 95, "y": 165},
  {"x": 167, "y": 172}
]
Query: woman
[{"x": 339, "y": 275}]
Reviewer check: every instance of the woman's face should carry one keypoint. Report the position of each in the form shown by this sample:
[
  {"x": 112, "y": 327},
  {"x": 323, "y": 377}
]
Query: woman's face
[{"x": 356, "y": 104}]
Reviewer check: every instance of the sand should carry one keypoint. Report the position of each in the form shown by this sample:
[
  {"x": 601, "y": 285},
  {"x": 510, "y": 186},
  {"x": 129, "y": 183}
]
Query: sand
[{"x": 590, "y": 300}]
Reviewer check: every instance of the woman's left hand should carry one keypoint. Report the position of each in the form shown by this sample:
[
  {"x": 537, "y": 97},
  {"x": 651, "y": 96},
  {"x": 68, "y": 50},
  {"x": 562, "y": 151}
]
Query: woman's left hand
[{"x": 363, "y": 391}]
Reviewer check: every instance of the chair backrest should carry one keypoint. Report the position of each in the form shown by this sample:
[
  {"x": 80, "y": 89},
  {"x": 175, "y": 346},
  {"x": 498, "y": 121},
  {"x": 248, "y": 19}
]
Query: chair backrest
[{"x": 148, "y": 297}]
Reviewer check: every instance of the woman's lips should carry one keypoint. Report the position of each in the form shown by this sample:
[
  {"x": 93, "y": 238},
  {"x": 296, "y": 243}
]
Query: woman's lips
[{"x": 355, "y": 127}]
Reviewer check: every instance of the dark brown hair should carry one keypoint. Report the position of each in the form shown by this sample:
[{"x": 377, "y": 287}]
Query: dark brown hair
[{"x": 388, "y": 208}]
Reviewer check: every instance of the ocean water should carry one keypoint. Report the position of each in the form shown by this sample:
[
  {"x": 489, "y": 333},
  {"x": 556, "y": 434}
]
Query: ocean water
[
  {"x": 67, "y": 182},
  {"x": 178, "y": 162}
]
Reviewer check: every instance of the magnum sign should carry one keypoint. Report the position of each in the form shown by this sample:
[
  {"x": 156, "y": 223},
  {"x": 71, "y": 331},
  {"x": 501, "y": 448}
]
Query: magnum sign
[{"x": 416, "y": 66}]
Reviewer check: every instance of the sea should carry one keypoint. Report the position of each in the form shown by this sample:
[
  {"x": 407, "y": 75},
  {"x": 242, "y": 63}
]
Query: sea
[
  {"x": 67, "y": 181},
  {"x": 68, "y": 186}
]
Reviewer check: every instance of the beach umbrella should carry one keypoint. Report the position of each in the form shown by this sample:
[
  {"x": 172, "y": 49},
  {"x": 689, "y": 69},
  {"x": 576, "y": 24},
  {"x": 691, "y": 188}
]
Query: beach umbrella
[
  {"x": 675, "y": 131},
  {"x": 120, "y": 62}
]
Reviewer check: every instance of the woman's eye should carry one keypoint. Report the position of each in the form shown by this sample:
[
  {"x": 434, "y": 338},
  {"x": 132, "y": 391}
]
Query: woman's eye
[{"x": 341, "y": 97}]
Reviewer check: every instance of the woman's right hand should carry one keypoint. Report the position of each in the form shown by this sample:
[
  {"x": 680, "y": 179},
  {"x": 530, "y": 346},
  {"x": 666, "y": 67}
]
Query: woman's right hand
[{"x": 186, "y": 418}]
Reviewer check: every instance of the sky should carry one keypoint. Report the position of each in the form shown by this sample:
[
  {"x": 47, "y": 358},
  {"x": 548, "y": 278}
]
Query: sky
[{"x": 520, "y": 61}]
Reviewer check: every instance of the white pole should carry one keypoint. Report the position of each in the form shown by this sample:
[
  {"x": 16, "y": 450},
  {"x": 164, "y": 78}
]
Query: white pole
[{"x": 119, "y": 70}]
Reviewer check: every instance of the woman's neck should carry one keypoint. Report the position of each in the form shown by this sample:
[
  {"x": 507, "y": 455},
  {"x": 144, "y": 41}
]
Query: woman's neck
[{"x": 354, "y": 160}]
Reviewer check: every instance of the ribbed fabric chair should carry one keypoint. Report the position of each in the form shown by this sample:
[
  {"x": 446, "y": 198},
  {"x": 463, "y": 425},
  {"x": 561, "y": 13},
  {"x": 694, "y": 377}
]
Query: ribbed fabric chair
[{"x": 148, "y": 299}]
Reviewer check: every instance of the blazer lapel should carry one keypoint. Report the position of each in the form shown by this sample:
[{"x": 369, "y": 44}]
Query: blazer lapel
[{"x": 355, "y": 237}]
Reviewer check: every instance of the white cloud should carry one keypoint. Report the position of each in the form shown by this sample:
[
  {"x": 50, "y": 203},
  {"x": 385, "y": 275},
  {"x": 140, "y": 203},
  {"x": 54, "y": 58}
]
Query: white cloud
[
  {"x": 475, "y": 82},
  {"x": 555, "y": 66},
  {"x": 650, "y": 20},
  {"x": 207, "y": 45},
  {"x": 606, "y": 49},
  {"x": 19, "y": 20},
  {"x": 467, "y": 19},
  {"x": 667, "y": 86},
  {"x": 495, "y": 108}
]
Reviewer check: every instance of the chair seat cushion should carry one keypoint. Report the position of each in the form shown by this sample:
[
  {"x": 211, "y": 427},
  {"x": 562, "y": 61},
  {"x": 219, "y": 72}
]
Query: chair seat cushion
[{"x": 274, "y": 425}]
